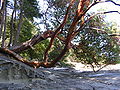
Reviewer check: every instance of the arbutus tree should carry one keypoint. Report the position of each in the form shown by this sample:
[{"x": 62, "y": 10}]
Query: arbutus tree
[{"x": 76, "y": 26}]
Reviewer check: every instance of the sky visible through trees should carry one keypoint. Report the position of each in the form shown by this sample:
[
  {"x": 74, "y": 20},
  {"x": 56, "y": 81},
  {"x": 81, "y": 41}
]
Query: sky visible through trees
[
  {"x": 60, "y": 25},
  {"x": 111, "y": 17}
]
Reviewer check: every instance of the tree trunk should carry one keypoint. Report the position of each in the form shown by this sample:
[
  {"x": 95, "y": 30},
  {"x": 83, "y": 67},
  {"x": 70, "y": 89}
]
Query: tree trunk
[
  {"x": 30, "y": 43},
  {"x": 5, "y": 22},
  {"x": 1, "y": 18},
  {"x": 11, "y": 30},
  {"x": 36, "y": 39},
  {"x": 57, "y": 31},
  {"x": 12, "y": 26},
  {"x": 20, "y": 23}
]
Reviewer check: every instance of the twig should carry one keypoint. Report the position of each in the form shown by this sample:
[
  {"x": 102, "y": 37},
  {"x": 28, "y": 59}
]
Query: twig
[{"x": 112, "y": 2}]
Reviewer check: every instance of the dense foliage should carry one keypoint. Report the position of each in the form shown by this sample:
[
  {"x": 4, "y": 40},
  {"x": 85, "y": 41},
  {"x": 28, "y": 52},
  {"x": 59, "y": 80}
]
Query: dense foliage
[
  {"x": 97, "y": 48},
  {"x": 94, "y": 45}
]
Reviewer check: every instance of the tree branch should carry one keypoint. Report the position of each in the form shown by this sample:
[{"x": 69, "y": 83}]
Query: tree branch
[
  {"x": 34, "y": 64},
  {"x": 91, "y": 17},
  {"x": 54, "y": 34},
  {"x": 57, "y": 31},
  {"x": 35, "y": 40},
  {"x": 112, "y": 2}
]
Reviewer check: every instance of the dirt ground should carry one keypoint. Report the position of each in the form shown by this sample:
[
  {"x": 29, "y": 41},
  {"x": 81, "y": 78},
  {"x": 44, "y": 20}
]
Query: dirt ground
[{"x": 79, "y": 78}]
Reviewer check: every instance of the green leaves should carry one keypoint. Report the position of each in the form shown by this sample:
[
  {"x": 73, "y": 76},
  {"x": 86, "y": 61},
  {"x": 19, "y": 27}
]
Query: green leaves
[
  {"x": 31, "y": 9},
  {"x": 96, "y": 48}
]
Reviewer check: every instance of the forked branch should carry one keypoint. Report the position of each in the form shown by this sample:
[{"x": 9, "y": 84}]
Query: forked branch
[
  {"x": 57, "y": 31},
  {"x": 72, "y": 31}
]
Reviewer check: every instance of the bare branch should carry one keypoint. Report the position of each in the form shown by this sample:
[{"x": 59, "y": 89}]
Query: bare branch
[
  {"x": 35, "y": 40},
  {"x": 113, "y": 2},
  {"x": 100, "y": 1},
  {"x": 58, "y": 30},
  {"x": 34, "y": 64},
  {"x": 91, "y": 17},
  {"x": 114, "y": 35}
]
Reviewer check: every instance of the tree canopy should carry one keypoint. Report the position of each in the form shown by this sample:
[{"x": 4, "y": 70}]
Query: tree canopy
[{"x": 68, "y": 28}]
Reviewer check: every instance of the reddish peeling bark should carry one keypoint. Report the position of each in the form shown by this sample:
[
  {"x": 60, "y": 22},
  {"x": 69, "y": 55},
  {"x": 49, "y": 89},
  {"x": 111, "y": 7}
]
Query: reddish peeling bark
[
  {"x": 34, "y": 64},
  {"x": 53, "y": 35},
  {"x": 30, "y": 43},
  {"x": 70, "y": 36},
  {"x": 57, "y": 31},
  {"x": 72, "y": 32}
]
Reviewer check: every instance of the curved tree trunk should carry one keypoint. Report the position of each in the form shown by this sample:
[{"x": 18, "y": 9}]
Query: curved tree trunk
[
  {"x": 45, "y": 35},
  {"x": 72, "y": 32}
]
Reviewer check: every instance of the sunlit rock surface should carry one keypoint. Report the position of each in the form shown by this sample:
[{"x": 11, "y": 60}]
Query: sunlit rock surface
[{"x": 14, "y": 76}]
